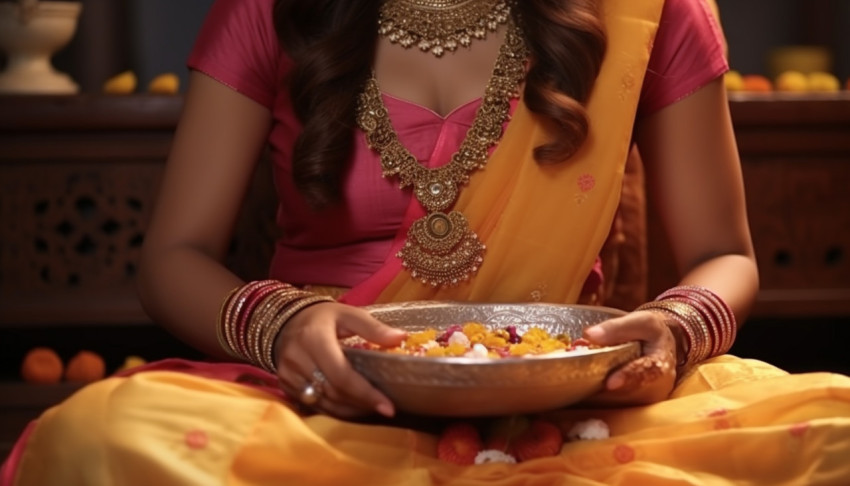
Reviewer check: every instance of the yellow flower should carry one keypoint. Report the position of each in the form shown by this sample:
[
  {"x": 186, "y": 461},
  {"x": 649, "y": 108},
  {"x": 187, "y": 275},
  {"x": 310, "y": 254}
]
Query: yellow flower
[
  {"x": 418, "y": 339},
  {"x": 456, "y": 349}
]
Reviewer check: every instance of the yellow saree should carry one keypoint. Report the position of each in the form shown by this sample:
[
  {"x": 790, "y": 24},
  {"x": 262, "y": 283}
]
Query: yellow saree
[
  {"x": 730, "y": 421},
  {"x": 544, "y": 226}
]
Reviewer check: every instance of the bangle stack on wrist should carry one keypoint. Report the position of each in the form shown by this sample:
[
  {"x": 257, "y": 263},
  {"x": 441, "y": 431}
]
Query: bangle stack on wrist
[
  {"x": 252, "y": 316},
  {"x": 707, "y": 322}
]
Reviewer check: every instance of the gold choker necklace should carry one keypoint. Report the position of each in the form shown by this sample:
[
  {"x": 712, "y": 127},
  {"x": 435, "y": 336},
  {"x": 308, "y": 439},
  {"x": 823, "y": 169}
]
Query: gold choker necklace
[
  {"x": 440, "y": 25},
  {"x": 441, "y": 248}
]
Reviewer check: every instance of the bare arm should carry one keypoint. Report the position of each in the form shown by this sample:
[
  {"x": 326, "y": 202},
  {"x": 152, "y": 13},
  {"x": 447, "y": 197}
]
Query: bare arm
[
  {"x": 182, "y": 281},
  {"x": 693, "y": 171}
]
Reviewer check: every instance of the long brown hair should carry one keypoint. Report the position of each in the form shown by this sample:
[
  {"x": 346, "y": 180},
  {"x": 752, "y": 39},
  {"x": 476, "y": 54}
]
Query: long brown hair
[{"x": 332, "y": 45}]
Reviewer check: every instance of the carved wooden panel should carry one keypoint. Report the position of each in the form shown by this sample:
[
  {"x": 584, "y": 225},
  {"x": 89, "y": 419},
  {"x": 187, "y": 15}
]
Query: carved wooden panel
[
  {"x": 70, "y": 236},
  {"x": 800, "y": 220},
  {"x": 72, "y": 226}
]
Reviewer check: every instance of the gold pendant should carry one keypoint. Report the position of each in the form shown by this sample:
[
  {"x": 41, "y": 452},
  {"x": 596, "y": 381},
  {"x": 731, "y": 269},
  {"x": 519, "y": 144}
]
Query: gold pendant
[{"x": 441, "y": 249}]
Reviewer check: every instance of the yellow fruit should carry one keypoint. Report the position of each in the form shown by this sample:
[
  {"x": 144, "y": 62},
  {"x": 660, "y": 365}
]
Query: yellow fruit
[
  {"x": 166, "y": 83},
  {"x": 123, "y": 83},
  {"x": 733, "y": 81},
  {"x": 793, "y": 81},
  {"x": 132, "y": 362},
  {"x": 821, "y": 81}
]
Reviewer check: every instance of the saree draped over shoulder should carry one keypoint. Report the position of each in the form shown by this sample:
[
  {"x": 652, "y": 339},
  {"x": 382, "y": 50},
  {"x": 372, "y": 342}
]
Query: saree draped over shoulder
[
  {"x": 544, "y": 225},
  {"x": 729, "y": 421}
]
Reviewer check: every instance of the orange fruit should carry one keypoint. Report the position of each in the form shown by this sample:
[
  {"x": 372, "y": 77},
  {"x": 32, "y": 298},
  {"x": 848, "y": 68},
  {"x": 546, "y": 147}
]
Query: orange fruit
[
  {"x": 85, "y": 367},
  {"x": 165, "y": 83},
  {"x": 757, "y": 83},
  {"x": 41, "y": 365},
  {"x": 122, "y": 83}
]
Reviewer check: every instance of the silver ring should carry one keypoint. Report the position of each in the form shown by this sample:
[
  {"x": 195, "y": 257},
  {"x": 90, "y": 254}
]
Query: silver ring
[{"x": 311, "y": 393}]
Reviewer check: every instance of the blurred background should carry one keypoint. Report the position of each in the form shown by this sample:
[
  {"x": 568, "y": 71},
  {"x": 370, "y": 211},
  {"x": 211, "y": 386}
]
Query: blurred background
[{"x": 150, "y": 37}]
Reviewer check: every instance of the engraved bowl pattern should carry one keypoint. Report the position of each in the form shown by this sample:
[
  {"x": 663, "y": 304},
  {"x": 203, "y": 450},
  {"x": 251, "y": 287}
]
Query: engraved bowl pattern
[{"x": 470, "y": 387}]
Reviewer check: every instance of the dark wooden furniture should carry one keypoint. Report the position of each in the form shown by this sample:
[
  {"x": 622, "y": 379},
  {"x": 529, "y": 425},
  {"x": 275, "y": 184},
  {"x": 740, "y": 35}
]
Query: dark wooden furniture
[
  {"x": 78, "y": 177},
  {"x": 795, "y": 154}
]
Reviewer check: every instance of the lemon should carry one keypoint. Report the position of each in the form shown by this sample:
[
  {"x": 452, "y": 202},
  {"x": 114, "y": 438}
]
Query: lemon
[
  {"x": 821, "y": 81},
  {"x": 166, "y": 83},
  {"x": 123, "y": 83},
  {"x": 132, "y": 362},
  {"x": 794, "y": 81},
  {"x": 733, "y": 81}
]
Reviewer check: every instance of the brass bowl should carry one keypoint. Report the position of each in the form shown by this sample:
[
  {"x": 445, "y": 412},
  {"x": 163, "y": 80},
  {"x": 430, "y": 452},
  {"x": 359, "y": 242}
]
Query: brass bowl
[{"x": 469, "y": 387}]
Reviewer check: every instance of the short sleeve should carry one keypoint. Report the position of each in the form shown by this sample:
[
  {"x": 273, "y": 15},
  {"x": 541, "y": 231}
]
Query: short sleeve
[
  {"x": 237, "y": 46},
  {"x": 688, "y": 53}
]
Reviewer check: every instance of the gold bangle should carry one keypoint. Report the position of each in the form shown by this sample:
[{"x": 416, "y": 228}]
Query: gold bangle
[
  {"x": 693, "y": 324},
  {"x": 269, "y": 338},
  {"x": 221, "y": 323},
  {"x": 678, "y": 322},
  {"x": 266, "y": 315}
]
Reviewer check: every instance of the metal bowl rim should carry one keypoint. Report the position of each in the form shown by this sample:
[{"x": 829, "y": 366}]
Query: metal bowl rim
[{"x": 490, "y": 362}]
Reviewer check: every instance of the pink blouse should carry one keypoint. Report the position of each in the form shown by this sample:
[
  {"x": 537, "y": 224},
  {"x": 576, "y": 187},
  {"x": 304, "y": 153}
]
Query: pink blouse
[{"x": 344, "y": 245}]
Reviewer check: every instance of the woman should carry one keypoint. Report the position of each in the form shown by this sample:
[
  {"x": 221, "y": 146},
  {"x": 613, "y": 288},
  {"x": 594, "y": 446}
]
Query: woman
[{"x": 508, "y": 197}]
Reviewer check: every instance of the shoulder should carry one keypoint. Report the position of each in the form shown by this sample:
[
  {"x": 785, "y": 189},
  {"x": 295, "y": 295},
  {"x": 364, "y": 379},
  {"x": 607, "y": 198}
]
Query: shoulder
[
  {"x": 688, "y": 52},
  {"x": 680, "y": 9},
  {"x": 697, "y": 17},
  {"x": 249, "y": 18},
  {"x": 238, "y": 46}
]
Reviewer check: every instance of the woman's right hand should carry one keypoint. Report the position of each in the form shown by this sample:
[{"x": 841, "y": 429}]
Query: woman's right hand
[{"x": 309, "y": 343}]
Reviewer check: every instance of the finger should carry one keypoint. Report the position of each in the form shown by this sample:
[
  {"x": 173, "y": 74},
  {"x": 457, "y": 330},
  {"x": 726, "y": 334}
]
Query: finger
[
  {"x": 326, "y": 403},
  {"x": 359, "y": 322},
  {"x": 639, "y": 326},
  {"x": 298, "y": 369},
  {"x": 295, "y": 369},
  {"x": 329, "y": 406},
  {"x": 339, "y": 372}
]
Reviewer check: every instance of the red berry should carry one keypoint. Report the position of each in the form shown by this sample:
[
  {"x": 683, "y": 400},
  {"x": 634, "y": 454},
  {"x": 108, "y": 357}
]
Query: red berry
[
  {"x": 513, "y": 338},
  {"x": 542, "y": 439},
  {"x": 444, "y": 337},
  {"x": 459, "y": 443}
]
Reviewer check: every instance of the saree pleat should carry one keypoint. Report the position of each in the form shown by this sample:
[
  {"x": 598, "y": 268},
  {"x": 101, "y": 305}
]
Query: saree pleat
[{"x": 731, "y": 421}]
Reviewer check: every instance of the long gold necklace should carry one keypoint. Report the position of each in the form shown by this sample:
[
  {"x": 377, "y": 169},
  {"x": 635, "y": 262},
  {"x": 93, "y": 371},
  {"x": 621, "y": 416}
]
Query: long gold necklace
[
  {"x": 441, "y": 248},
  {"x": 440, "y": 25}
]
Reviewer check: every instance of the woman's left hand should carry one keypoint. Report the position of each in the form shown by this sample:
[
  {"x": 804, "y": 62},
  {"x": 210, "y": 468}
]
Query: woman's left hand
[{"x": 647, "y": 379}]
